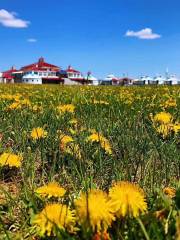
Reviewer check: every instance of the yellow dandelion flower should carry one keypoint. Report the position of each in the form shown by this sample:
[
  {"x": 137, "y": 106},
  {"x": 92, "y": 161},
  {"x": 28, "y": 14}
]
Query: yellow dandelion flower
[
  {"x": 164, "y": 129},
  {"x": 106, "y": 145},
  {"x": 163, "y": 117},
  {"x": 128, "y": 199},
  {"x": 65, "y": 139},
  {"x": 66, "y": 108},
  {"x": 170, "y": 103},
  {"x": 67, "y": 145},
  {"x": 11, "y": 160},
  {"x": 94, "y": 210},
  {"x": 54, "y": 216},
  {"x": 170, "y": 192},
  {"x": 25, "y": 102},
  {"x": 96, "y": 137},
  {"x": 15, "y": 105},
  {"x": 38, "y": 133},
  {"x": 51, "y": 190},
  {"x": 176, "y": 128}
]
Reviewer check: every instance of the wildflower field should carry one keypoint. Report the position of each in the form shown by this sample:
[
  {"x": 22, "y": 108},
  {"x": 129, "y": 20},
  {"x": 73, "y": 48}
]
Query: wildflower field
[{"x": 89, "y": 163}]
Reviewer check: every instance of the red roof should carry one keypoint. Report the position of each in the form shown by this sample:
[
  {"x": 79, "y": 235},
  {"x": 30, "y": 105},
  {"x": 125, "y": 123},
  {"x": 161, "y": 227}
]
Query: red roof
[
  {"x": 8, "y": 74},
  {"x": 41, "y": 65},
  {"x": 71, "y": 70}
]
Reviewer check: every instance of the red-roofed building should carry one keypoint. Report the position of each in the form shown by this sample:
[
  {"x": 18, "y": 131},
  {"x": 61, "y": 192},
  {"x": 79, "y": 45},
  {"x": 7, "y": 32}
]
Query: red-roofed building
[
  {"x": 40, "y": 72},
  {"x": 41, "y": 65},
  {"x": 75, "y": 76},
  {"x": 8, "y": 76}
]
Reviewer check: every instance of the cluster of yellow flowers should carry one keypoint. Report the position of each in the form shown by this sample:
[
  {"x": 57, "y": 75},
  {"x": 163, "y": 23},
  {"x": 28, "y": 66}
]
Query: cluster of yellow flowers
[
  {"x": 19, "y": 103},
  {"x": 99, "y": 138},
  {"x": 94, "y": 209},
  {"x": 7, "y": 96},
  {"x": 11, "y": 160},
  {"x": 170, "y": 103},
  {"x": 163, "y": 123},
  {"x": 38, "y": 133},
  {"x": 68, "y": 145},
  {"x": 67, "y": 108}
]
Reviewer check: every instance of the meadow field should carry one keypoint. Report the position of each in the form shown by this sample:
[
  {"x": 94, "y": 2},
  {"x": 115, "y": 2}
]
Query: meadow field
[{"x": 90, "y": 163}]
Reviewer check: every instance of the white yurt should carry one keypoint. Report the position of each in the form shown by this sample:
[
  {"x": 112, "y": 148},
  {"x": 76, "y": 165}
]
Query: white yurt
[
  {"x": 159, "y": 80},
  {"x": 172, "y": 80},
  {"x": 93, "y": 80},
  {"x": 139, "y": 81}
]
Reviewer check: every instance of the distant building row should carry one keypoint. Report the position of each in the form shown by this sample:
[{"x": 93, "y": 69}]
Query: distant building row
[
  {"x": 42, "y": 72},
  {"x": 158, "y": 80}
]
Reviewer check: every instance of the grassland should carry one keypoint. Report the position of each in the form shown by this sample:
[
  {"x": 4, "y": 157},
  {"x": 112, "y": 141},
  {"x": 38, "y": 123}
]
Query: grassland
[{"x": 87, "y": 140}]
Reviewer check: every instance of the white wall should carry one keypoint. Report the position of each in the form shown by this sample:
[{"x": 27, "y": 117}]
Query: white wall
[
  {"x": 32, "y": 80},
  {"x": 68, "y": 81}
]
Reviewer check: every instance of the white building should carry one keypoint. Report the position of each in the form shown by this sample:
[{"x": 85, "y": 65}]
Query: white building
[
  {"x": 32, "y": 78},
  {"x": 39, "y": 73},
  {"x": 74, "y": 74}
]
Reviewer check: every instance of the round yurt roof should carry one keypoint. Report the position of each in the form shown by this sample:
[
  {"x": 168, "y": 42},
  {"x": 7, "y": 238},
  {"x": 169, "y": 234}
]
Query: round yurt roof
[{"x": 90, "y": 77}]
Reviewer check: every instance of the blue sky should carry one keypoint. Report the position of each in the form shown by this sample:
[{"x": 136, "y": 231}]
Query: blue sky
[{"x": 90, "y": 35}]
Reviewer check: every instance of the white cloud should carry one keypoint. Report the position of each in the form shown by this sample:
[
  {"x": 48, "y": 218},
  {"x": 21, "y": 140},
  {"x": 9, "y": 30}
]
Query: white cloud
[
  {"x": 32, "y": 40},
  {"x": 9, "y": 19},
  {"x": 145, "y": 33}
]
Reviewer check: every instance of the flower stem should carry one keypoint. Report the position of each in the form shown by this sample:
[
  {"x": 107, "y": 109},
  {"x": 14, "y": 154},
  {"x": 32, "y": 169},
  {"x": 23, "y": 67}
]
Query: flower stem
[{"x": 143, "y": 229}]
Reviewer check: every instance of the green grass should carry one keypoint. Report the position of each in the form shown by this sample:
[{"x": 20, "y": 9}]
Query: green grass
[{"x": 140, "y": 154}]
